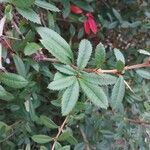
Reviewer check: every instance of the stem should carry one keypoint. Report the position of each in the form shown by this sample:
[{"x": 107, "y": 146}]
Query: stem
[
  {"x": 115, "y": 71},
  {"x": 59, "y": 132},
  {"x": 100, "y": 71},
  {"x": 85, "y": 138}
]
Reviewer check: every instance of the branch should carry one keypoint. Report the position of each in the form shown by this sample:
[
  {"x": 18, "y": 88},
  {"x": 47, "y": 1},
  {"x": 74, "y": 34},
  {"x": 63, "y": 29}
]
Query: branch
[
  {"x": 59, "y": 132},
  {"x": 115, "y": 71},
  {"x": 100, "y": 71},
  {"x": 137, "y": 121}
]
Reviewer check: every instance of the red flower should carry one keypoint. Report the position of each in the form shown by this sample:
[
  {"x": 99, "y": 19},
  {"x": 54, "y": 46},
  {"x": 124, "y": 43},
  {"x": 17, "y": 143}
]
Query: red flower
[
  {"x": 90, "y": 24},
  {"x": 75, "y": 9}
]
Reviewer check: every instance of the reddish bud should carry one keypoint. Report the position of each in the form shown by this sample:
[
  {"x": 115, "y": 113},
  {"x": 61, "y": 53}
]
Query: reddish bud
[
  {"x": 90, "y": 24},
  {"x": 87, "y": 27},
  {"x": 75, "y": 9}
]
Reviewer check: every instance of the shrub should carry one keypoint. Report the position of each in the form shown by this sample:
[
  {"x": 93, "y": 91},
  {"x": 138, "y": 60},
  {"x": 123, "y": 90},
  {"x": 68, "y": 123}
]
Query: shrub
[{"x": 74, "y": 75}]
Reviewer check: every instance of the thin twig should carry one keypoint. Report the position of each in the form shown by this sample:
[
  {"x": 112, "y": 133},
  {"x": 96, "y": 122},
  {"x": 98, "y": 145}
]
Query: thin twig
[
  {"x": 59, "y": 132},
  {"x": 17, "y": 29},
  {"x": 52, "y": 60},
  {"x": 84, "y": 138}
]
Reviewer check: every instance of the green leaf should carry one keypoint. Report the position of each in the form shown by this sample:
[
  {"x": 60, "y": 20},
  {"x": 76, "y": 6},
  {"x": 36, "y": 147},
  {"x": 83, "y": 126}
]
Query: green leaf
[
  {"x": 67, "y": 136},
  {"x": 66, "y": 8},
  {"x": 62, "y": 83},
  {"x": 85, "y": 50},
  {"x": 56, "y": 51},
  {"x": 59, "y": 75},
  {"x": 4, "y": 95},
  {"x": 25, "y": 4},
  {"x": 141, "y": 51},
  {"x": 48, "y": 122},
  {"x": 102, "y": 79},
  {"x": 19, "y": 65},
  {"x": 31, "y": 109},
  {"x": 13, "y": 80},
  {"x": 29, "y": 14},
  {"x": 55, "y": 44},
  {"x": 47, "y": 33},
  {"x": 118, "y": 93},
  {"x": 5, "y": 125},
  {"x": 117, "y": 15},
  {"x": 119, "y": 55},
  {"x": 95, "y": 94},
  {"x": 43, "y": 148},
  {"x": 51, "y": 21},
  {"x": 100, "y": 55},
  {"x": 70, "y": 98},
  {"x": 67, "y": 147},
  {"x": 31, "y": 48},
  {"x": 144, "y": 74},
  {"x": 66, "y": 69},
  {"x": 46, "y": 5},
  {"x": 120, "y": 66},
  {"x": 41, "y": 139}
]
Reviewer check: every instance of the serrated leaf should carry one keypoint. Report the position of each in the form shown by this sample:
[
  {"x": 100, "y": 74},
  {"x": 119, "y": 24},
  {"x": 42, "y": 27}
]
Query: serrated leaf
[
  {"x": 48, "y": 122},
  {"x": 120, "y": 66},
  {"x": 102, "y": 79},
  {"x": 19, "y": 65},
  {"x": 100, "y": 55},
  {"x": 62, "y": 83},
  {"x": 46, "y": 5},
  {"x": 41, "y": 139},
  {"x": 59, "y": 75},
  {"x": 85, "y": 50},
  {"x": 13, "y": 80},
  {"x": 118, "y": 93},
  {"x": 4, "y": 95},
  {"x": 66, "y": 69},
  {"x": 60, "y": 48},
  {"x": 56, "y": 50},
  {"x": 30, "y": 15},
  {"x": 23, "y": 4},
  {"x": 70, "y": 98},
  {"x": 31, "y": 48},
  {"x": 119, "y": 55},
  {"x": 95, "y": 94},
  {"x": 144, "y": 74}
]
